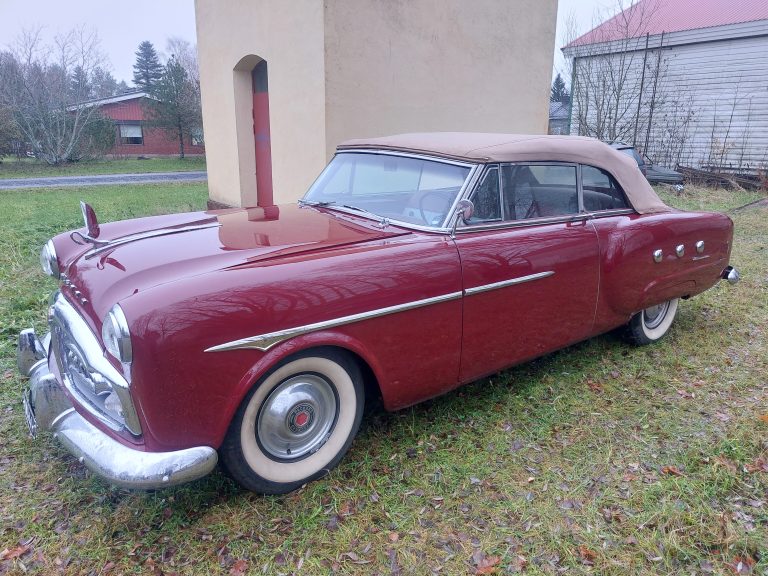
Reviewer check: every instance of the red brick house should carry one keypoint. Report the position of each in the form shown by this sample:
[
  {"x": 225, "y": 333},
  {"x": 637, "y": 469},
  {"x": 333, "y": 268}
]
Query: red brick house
[{"x": 132, "y": 136}]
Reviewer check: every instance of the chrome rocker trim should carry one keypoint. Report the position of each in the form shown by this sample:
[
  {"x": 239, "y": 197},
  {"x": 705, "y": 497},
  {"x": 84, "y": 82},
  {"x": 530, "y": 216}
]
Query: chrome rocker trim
[
  {"x": 264, "y": 342},
  {"x": 46, "y": 406}
]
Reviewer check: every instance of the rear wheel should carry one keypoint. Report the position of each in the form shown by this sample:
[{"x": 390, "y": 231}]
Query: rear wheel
[
  {"x": 653, "y": 323},
  {"x": 296, "y": 423}
]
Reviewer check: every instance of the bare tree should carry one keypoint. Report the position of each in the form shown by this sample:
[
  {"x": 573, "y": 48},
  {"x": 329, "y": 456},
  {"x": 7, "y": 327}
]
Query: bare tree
[
  {"x": 610, "y": 70},
  {"x": 45, "y": 87}
]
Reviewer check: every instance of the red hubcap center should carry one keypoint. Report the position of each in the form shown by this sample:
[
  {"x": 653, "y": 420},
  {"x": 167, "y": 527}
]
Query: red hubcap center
[{"x": 301, "y": 418}]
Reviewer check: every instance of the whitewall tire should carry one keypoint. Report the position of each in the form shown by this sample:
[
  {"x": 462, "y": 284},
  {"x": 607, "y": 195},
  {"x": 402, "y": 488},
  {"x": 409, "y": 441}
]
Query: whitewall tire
[
  {"x": 653, "y": 323},
  {"x": 296, "y": 423}
]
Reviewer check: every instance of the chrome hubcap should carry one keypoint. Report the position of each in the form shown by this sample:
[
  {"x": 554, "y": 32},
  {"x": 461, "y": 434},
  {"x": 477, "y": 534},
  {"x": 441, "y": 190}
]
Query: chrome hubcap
[
  {"x": 654, "y": 315},
  {"x": 297, "y": 417}
]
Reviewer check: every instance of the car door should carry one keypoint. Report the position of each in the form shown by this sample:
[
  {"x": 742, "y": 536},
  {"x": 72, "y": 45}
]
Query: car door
[{"x": 530, "y": 266}]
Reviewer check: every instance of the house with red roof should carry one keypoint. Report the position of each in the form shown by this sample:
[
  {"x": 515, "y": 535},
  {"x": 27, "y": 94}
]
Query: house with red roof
[
  {"x": 685, "y": 81},
  {"x": 133, "y": 135}
]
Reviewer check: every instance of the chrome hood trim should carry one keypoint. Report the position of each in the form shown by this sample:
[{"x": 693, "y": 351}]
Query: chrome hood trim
[{"x": 102, "y": 246}]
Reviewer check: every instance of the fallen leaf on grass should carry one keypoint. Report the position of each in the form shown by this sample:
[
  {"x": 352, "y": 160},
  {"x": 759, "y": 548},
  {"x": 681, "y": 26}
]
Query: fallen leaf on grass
[
  {"x": 726, "y": 463},
  {"x": 671, "y": 470},
  {"x": 393, "y": 536},
  {"x": 685, "y": 394},
  {"x": 742, "y": 565},
  {"x": 485, "y": 564},
  {"x": 759, "y": 465},
  {"x": 11, "y": 553},
  {"x": 764, "y": 418},
  {"x": 587, "y": 556},
  {"x": 239, "y": 568},
  {"x": 594, "y": 386}
]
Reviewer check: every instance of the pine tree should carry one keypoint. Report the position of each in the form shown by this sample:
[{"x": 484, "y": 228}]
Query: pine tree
[
  {"x": 80, "y": 86},
  {"x": 174, "y": 106},
  {"x": 147, "y": 71},
  {"x": 559, "y": 92},
  {"x": 103, "y": 84}
]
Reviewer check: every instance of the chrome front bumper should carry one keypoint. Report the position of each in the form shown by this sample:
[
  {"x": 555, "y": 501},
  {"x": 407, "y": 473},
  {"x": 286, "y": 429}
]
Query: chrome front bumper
[{"x": 47, "y": 407}]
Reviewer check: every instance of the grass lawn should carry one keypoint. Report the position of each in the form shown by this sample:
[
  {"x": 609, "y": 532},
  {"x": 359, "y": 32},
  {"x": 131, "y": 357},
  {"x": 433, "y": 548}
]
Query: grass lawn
[
  {"x": 601, "y": 458},
  {"x": 30, "y": 168}
]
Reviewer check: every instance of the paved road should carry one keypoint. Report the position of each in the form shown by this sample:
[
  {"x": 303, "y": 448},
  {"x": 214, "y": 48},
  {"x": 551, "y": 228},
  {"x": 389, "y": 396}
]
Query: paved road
[{"x": 101, "y": 179}]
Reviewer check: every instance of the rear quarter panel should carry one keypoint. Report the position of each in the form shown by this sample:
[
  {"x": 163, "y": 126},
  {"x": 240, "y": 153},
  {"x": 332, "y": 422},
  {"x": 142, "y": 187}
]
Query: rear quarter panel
[{"x": 630, "y": 278}]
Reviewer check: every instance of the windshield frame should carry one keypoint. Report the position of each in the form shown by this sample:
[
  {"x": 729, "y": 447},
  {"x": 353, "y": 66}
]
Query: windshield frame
[{"x": 444, "y": 227}]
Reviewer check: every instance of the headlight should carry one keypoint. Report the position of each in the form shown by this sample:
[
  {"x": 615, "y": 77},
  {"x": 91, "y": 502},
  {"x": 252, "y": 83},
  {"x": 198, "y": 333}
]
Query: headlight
[
  {"x": 116, "y": 336},
  {"x": 48, "y": 260}
]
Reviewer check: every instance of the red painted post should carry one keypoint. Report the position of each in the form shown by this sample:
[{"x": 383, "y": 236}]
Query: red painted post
[{"x": 261, "y": 135}]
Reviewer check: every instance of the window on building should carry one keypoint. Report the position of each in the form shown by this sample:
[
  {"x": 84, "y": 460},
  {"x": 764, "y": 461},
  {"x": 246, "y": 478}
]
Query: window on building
[{"x": 131, "y": 134}]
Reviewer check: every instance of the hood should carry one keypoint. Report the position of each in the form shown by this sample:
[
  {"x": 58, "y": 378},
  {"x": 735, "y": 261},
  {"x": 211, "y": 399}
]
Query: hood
[{"x": 148, "y": 252}]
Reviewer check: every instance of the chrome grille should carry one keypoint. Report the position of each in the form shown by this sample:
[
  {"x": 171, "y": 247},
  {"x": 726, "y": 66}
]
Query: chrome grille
[
  {"x": 85, "y": 372},
  {"x": 89, "y": 386}
]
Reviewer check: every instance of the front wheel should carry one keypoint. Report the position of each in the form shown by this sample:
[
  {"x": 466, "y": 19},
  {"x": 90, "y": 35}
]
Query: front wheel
[
  {"x": 296, "y": 423},
  {"x": 653, "y": 323}
]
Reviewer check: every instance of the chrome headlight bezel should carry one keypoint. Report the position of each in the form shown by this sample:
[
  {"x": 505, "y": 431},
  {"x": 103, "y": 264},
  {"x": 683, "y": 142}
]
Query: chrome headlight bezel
[
  {"x": 49, "y": 262},
  {"x": 116, "y": 335}
]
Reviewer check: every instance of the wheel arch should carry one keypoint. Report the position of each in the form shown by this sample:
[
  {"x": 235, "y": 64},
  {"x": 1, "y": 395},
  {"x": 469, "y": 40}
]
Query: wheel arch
[{"x": 287, "y": 351}]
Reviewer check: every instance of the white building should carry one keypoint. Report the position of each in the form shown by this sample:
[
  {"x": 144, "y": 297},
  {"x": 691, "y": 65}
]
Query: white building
[{"x": 687, "y": 77}]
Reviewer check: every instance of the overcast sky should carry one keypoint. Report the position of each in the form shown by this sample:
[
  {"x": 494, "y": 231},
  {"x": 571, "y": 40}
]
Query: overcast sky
[{"x": 121, "y": 26}]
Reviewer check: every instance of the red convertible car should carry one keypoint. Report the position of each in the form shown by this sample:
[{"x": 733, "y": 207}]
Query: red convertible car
[{"x": 414, "y": 263}]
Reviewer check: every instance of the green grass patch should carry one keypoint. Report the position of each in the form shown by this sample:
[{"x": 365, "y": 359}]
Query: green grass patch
[
  {"x": 31, "y": 168},
  {"x": 602, "y": 458}
]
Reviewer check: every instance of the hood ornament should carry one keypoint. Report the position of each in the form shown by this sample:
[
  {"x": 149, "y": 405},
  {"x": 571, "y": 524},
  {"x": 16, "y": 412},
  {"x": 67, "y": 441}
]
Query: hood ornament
[{"x": 91, "y": 225}]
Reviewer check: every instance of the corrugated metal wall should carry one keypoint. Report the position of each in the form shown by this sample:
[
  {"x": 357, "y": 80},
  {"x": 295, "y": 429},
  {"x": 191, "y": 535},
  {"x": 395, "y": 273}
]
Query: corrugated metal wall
[{"x": 711, "y": 102}]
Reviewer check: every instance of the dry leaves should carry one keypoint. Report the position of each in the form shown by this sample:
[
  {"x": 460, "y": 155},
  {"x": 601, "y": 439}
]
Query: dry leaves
[
  {"x": 239, "y": 568},
  {"x": 587, "y": 556},
  {"x": 11, "y": 553},
  {"x": 485, "y": 564},
  {"x": 671, "y": 471}
]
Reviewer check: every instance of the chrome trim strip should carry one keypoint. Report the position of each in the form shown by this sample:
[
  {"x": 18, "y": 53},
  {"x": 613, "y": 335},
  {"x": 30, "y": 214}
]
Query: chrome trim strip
[
  {"x": 264, "y": 342},
  {"x": 505, "y": 283},
  {"x": 109, "y": 244},
  {"x": 525, "y": 223}
]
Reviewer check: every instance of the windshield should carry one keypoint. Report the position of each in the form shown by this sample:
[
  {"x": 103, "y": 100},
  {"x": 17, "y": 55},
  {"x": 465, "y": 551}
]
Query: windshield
[{"x": 401, "y": 188}]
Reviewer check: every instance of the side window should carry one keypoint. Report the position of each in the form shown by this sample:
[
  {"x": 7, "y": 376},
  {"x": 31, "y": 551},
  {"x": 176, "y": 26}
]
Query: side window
[
  {"x": 486, "y": 198},
  {"x": 539, "y": 191},
  {"x": 601, "y": 191}
]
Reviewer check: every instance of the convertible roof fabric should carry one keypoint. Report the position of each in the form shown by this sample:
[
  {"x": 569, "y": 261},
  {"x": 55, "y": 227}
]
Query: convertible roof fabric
[{"x": 479, "y": 147}]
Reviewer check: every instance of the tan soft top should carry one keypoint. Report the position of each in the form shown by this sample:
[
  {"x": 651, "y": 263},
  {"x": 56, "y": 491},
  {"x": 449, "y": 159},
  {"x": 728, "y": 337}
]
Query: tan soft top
[{"x": 479, "y": 147}]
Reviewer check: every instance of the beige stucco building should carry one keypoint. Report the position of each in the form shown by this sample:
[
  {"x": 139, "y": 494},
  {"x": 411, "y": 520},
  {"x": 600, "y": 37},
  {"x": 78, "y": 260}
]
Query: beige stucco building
[{"x": 290, "y": 79}]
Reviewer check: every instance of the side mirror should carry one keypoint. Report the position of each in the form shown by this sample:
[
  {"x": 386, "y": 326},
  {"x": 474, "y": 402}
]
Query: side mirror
[{"x": 465, "y": 209}]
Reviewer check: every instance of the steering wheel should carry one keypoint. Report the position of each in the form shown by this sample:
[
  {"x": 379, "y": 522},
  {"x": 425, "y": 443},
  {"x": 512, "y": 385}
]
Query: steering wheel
[{"x": 422, "y": 201}]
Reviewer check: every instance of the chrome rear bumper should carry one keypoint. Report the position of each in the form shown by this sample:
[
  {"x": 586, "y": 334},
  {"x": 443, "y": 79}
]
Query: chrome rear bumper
[
  {"x": 47, "y": 407},
  {"x": 731, "y": 275}
]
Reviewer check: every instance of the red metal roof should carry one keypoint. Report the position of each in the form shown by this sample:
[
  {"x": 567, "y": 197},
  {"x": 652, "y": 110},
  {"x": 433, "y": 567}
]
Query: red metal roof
[{"x": 657, "y": 16}]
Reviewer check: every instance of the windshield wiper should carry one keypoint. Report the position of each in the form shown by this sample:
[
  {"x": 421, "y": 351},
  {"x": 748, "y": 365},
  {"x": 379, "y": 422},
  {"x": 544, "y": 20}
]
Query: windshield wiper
[{"x": 382, "y": 221}]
